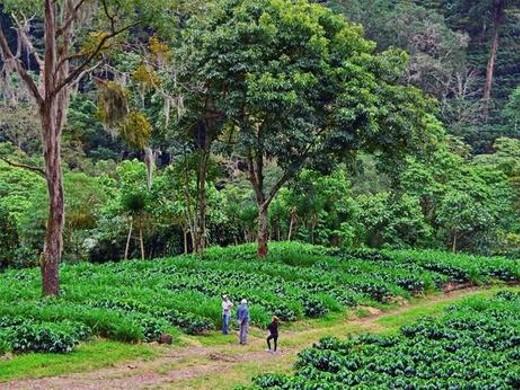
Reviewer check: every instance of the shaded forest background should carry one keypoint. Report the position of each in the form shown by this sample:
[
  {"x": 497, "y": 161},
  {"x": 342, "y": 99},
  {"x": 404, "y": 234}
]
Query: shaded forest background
[{"x": 134, "y": 190}]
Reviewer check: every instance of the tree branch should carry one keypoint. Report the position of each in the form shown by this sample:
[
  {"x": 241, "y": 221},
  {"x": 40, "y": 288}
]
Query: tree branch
[
  {"x": 8, "y": 56},
  {"x": 70, "y": 19},
  {"x": 274, "y": 190},
  {"x": 25, "y": 40},
  {"x": 110, "y": 17},
  {"x": 87, "y": 70},
  {"x": 77, "y": 71},
  {"x": 23, "y": 166},
  {"x": 292, "y": 170}
]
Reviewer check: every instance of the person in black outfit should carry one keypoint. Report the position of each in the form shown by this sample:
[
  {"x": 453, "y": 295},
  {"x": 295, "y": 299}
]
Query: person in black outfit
[{"x": 273, "y": 334}]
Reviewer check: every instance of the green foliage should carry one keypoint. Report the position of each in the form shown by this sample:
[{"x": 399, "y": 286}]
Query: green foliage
[
  {"x": 26, "y": 335},
  {"x": 512, "y": 109},
  {"x": 392, "y": 220},
  {"x": 472, "y": 344},
  {"x": 139, "y": 300},
  {"x": 466, "y": 202},
  {"x": 9, "y": 239},
  {"x": 306, "y": 89}
]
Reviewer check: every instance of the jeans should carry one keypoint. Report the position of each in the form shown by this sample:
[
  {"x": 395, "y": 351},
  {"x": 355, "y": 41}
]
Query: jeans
[
  {"x": 244, "y": 329},
  {"x": 225, "y": 322}
]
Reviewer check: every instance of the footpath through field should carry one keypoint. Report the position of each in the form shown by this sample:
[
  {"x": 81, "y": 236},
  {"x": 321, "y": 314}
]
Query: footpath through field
[{"x": 199, "y": 365}]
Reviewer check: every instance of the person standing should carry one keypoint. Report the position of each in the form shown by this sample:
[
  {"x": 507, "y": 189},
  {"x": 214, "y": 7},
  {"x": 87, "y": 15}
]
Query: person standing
[
  {"x": 243, "y": 321},
  {"x": 227, "y": 305},
  {"x": 273, "y": 334}
]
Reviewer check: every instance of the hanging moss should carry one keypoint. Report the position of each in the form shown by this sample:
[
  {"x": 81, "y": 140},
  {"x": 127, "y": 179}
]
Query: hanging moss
[
  {"x": 112, "y": 103},
  {"x": 93, "y": 42},
  {"x": 146, "y": 77},
  {"x": 160, "y": 51},
  {"x": 136, "y": 130}
]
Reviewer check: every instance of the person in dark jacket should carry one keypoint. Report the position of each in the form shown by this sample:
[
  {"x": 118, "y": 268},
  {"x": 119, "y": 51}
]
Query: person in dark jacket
[{"x": 273, "y": 334}]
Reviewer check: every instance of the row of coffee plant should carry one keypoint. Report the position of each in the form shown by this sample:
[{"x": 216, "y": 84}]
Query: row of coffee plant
[
  {"x": 474, "y": 345},
  {"x": 139, "y": 300}
]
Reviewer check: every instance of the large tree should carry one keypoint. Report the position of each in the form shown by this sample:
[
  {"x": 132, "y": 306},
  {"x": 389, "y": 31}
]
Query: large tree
[
  {"x": 75, "y": 33},
  {"x": 297, "y": 84}
]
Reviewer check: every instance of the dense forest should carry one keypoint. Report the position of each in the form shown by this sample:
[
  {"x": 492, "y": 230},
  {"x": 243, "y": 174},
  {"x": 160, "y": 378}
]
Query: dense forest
[{"x": 151, "y": 128}]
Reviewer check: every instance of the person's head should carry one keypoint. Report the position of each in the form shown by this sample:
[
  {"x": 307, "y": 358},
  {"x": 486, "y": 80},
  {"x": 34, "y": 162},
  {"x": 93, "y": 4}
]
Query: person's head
[
  {"x": 225, "y": 297},
  {"x": 243, "y": 301},
  {"x": 276, "y": 319}
]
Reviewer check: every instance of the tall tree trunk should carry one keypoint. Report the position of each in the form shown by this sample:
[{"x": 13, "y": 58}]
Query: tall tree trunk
[
  {"x": 498, "y": 16},
  {"x": 200, "y": 224},
  {"x": 454, "y": 243},
  {"x": 263, "y": 230},
  {"x": 52, "y": 97},
  {"x": 150, "y": 165},
  {"x": 291, "y": 224},
  {"x": 313, "y": 227},
  {"x": 185, "y": 233},
  {"x": 53, "y": 245},
  {"x": 52, "y": 114},
  {"x": 141, "y": 241},
  {"x": 129, "y": 237}
]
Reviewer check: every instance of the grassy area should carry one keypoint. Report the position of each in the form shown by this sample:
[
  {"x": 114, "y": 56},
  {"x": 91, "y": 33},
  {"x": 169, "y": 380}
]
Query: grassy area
[{"x": 87, "y": 357}]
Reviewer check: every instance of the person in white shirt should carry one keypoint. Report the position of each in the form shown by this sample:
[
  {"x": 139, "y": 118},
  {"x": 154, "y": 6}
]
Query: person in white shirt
[{"x": 227, "y": 305}]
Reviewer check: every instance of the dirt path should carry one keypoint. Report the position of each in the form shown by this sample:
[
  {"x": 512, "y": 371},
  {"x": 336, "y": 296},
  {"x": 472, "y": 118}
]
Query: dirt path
[{"x": 223, "y": 366}]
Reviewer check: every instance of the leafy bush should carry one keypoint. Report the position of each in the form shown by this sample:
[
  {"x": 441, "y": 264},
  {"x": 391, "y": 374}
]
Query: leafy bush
[
  {"x": 47, "y": 337},
  {"x": 5, "y": 345},
  {"x": 313, "y": 307}
]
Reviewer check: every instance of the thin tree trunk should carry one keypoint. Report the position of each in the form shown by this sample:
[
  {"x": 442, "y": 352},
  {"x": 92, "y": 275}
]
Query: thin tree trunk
[
  {"x": 192, "y": 237},
  {"x": 291, "y": 224},
  {"x": 490, "y": 69},
  {"x": 498, "y": 14},
  {"x": 141, "y": 241},
  {"x": 200, "y": 224},
  {"x": 185, "y": 232},
  {"x": 150, "y": 165},
  {"x": 127, "y": 247},
  {"x": 454, "y": 243},
  {"x": 263, "y": 231}
]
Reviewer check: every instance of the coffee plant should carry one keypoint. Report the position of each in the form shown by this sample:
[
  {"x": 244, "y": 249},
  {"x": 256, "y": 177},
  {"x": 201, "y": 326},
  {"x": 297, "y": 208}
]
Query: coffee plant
[
  {"x": 140, "y": 300},
  {"x": 474, "y": 345}
]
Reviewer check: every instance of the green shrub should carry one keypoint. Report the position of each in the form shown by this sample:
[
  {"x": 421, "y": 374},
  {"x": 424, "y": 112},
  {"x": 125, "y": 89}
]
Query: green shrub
[
  {"x": 5, "y": 345},
  {"x": 47, "y": 337}
]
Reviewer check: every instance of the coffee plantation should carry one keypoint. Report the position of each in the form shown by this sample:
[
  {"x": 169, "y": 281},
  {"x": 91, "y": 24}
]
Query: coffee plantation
[
  {"x": 474, "y": 345},
  {"x": 135, "y": 301}
]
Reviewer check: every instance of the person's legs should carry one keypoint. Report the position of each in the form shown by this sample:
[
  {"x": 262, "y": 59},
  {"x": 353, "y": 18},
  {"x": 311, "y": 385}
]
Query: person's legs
[
  {"x": 243, "y": 332},
  {"x": 275, "y": 338},
  {"x": 269, "y": 338},
  {"x": 225, "y": 323}
]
